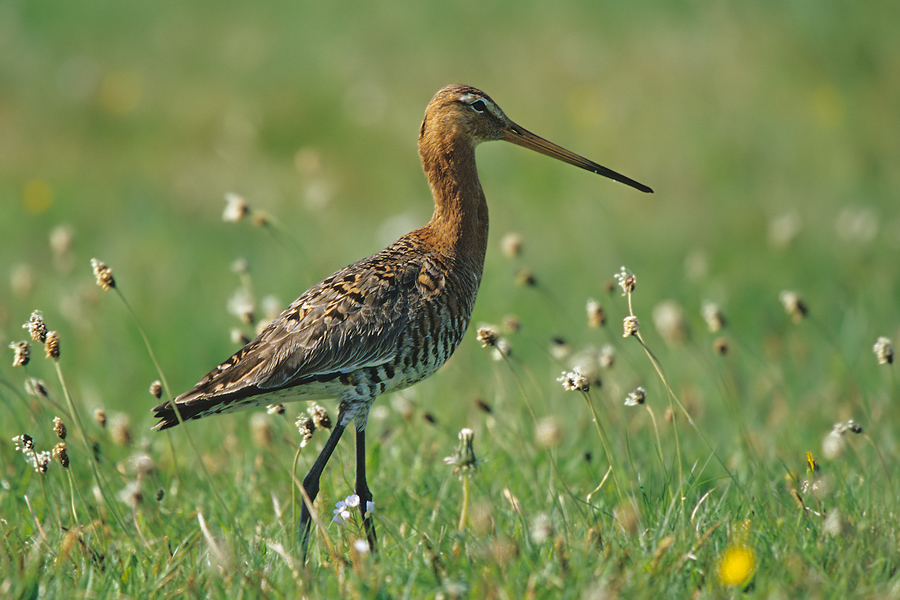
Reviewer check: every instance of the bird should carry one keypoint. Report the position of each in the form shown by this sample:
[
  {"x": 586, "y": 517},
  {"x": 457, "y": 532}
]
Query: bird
[{"x": 387, "y": 321}]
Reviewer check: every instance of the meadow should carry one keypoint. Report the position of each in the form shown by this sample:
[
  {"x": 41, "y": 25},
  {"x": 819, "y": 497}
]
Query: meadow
[{"x": 742, "y": 443}]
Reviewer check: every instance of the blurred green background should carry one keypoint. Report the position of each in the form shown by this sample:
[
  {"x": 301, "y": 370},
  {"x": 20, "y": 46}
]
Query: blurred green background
[{"x": 769, "y": 131}]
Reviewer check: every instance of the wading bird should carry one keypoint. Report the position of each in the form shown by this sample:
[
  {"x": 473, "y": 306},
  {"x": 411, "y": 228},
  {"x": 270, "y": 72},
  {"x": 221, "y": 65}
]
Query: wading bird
[{"x": 389, "y": 320}]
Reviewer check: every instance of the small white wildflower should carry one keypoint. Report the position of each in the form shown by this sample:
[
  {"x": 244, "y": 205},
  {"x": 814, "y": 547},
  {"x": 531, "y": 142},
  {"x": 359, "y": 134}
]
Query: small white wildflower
[
  {"x": 370, "y": 508},
  {"x": 352, "y": 501}
]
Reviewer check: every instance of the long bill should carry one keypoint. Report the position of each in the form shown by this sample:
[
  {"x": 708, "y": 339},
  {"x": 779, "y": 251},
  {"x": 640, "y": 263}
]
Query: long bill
[{"x": 522, "y": 137}]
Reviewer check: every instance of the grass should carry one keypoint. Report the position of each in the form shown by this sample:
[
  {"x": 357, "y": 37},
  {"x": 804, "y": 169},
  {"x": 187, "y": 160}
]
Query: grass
[{"x": 768, "y": 133}]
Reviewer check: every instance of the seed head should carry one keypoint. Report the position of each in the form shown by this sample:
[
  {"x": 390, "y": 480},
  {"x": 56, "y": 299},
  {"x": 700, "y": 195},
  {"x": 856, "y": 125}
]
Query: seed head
[
  {"x": 670, "y": 322},
  {"x": 607, "y": 357},
  {"x": 22, "y": 353},
  {"x": 713, "y": 316},
  {"x": 59, "y": 428},
  {"x": 884, "y": 352},
  {"x": 24, "y": 442},
  {"x": 574, "y": 381},
  {"x": 463, "y": 457},
  {"x": 307, "y": 428},
  {"x": 626, "y": 280},
  {"x": 100, "y": 417},
  {"x": 236, "y": 208},
  {"x": 720, "y": 346},
  {"x": 261, "y": 430},
  {"x": 595, "y": 313},
  {"x": 36, "y": 327},
  {"x": 36, "y": 387},
  {"x": 630, "y": 326},
  {"x": 103, "y": 274},
  {"x": 241, "y": 305},
  {"x": 487, "y": 335},
  {"x": 275, "y": 409},
  {"x": 547, "y": 432},
  {"x": 794, "y": 306},
  {"x": 52, "y": 345},
  {"x": 41, "y": 460},
  {"x": 120, "y": 429},
  {"x": 637, "y": 397},
  {"x": 319, "y": 416},
  {"x": 526, "y": 277},
  {"x": 512, "y": 245},
  {"x": 156, "y": 389},
  {"x": 61, "y": 455}
]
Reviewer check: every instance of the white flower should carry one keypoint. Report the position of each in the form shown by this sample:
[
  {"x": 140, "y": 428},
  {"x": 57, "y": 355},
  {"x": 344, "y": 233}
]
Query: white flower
[
  {"x": 370, "y": 508},
  {"x": 352, "y": 501}
]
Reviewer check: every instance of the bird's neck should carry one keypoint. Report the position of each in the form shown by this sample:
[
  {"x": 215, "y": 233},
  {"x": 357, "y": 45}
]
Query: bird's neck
[{"x": 459, "y": 226}]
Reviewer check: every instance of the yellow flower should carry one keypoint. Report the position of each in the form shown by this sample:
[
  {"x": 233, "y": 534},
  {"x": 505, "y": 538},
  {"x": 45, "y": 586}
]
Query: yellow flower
[{"x": 736, "y": 566}]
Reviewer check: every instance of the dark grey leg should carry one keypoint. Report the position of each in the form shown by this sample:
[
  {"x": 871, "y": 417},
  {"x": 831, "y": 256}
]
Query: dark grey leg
[
  {"x": 362, "y": 488},
  {"x": 311, "y": 482}
]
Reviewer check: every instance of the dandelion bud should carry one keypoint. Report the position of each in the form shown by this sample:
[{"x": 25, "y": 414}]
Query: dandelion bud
[
  {"x": 103, "y": 274},
  {"x": 22, "y": 353},
  {"x": 884, "y": 352},
  {"x": 36, "y": 327},
  {"x": 52, "y": 345},
  {"x": 59, "y": 428}
]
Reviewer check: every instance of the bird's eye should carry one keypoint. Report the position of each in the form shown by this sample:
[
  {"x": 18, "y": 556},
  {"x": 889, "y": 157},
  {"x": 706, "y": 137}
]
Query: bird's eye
[{"x": 479, "y": 106}]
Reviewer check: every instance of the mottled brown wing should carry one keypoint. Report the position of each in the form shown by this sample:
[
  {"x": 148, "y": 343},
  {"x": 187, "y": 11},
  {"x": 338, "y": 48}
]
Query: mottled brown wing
[{"x": 350, "y": 320}]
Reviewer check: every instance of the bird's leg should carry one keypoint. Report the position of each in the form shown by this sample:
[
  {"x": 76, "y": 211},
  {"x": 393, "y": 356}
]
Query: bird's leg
[
  {"x": 362, "y": 488},
  {"x": 311, "y": 482}
]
